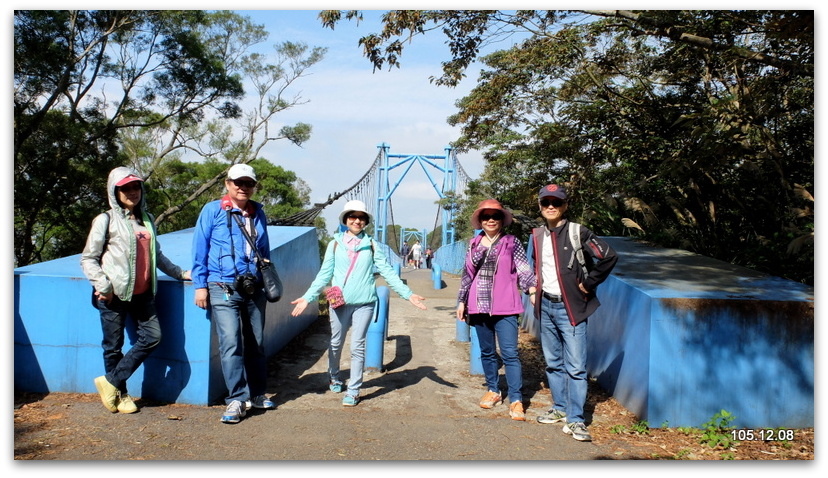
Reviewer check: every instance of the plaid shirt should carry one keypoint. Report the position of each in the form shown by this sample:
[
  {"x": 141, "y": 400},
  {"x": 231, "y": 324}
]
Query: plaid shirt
[{"x": 486, "y": 264}]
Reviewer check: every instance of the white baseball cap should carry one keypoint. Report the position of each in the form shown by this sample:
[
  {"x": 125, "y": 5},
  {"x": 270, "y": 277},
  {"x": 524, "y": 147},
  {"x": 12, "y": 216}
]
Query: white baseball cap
[{"x": 241, "y": 171}]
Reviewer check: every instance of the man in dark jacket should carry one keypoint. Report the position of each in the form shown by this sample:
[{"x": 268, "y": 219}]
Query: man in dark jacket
[{"x": 567, "y": 299}]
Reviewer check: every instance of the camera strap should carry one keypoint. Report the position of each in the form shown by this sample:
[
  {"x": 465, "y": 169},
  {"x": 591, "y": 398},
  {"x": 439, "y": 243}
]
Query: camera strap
[{"x": 246, "y": 235}]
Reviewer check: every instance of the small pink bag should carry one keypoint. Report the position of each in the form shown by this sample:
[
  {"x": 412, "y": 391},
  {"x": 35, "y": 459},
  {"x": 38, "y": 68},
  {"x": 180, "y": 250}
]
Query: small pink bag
[{"x": 334, "y": 296}]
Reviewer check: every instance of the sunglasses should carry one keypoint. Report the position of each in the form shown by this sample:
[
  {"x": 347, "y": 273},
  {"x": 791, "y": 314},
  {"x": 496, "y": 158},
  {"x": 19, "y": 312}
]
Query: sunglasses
[
  {"x": 496, "y": 217},
  {"x": 555, "y": 202},
  {"x": 358, "y": 217},
  {"x": 241, "y": 183}
]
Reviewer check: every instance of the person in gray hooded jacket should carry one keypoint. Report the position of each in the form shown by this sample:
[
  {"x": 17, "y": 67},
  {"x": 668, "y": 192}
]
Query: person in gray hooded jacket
[{"x": 120, "y": 260}]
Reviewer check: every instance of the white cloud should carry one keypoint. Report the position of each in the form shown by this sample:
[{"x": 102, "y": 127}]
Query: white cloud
[{"x": 353, "y": 111}]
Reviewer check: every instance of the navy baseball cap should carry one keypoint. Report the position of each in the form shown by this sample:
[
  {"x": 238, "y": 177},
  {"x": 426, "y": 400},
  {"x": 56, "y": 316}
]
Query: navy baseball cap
[{"x": 552, "y": 190}]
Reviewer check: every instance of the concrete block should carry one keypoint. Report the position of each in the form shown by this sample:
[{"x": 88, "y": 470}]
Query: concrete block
[
  {"x": 680, "y": 337},
  {"x": 57, "y": 331}
]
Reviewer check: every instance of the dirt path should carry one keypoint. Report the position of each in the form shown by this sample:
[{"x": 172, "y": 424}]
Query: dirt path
[{"x": 423, "y": 406}]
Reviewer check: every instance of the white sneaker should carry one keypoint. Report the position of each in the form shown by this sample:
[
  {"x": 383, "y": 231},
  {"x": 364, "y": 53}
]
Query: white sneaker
[
  {"x": 234, "y": 413},
  {"x": 578, "y": 431},
  {"x": 262, "y": 402}
]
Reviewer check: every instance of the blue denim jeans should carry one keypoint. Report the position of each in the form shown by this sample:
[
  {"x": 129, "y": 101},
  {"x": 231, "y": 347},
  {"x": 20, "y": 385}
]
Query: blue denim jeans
[
  {"x": 565, "y": 352},
  {"x": 356, "y": 317},
  {"x": 239, "y": 325},
  {"x": 141, "y": 308},
  {"x": 493, "y": 332}
]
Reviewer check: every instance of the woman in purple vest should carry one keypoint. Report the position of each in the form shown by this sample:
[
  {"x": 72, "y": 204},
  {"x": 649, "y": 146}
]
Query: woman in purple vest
[{"x": 490, "y": 300}]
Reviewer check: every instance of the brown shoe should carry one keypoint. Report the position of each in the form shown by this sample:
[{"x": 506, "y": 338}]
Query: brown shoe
[
  {"x": 516, "y": 411},
  {"x": 490, "y": 399}
]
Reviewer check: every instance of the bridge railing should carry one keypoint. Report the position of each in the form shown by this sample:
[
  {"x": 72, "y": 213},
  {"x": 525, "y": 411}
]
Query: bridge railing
[
  {"x": 390, "y": 256},
  {"x": 451, "y": 257}
]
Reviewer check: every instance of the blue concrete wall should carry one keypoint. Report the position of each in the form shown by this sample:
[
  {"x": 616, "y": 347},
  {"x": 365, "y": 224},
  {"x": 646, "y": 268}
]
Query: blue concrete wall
[
  {"x": 57, "y": 332},
  {"x": 680, "y": 337}
]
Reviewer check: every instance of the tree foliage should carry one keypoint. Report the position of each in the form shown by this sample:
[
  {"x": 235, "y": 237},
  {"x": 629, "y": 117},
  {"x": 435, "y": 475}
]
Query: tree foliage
[
  {"x": 280, "y": 191},
  {"x": 151, "y": 89},
  {"x": 690, "y": 129}
]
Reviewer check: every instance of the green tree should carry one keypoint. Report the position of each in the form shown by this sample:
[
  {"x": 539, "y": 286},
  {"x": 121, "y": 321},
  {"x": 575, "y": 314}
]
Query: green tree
[
  {"x": 98, "y": 89},
  {"x": 692, "y": 129},
  {"x": 393, "y": 236}
]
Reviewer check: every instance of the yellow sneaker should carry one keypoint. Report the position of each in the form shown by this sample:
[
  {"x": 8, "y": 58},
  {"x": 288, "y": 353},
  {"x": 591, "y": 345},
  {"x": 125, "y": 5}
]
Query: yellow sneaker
[
  {"x": 516, "y": 411},
  {"x": 108, "y": 392},
  {"x": 490, "y": 399},
  {"x": 126, "y": 404}
]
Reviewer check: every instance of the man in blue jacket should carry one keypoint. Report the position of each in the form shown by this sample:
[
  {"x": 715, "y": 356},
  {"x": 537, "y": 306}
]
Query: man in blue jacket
[
  {"x": 566, "y": 300},
  {"x": 227, "y": 281}
]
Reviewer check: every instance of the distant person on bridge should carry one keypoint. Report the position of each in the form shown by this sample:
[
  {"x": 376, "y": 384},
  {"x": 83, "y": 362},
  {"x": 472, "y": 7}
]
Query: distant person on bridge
[
  {"x": 490, "y": 300},
  {"x": 119, "y": 259},
  {"x": 416, "y": 254},
  {"x": 429, "y": 254},
  {"x": 228, "y": 282},
  {"x": 404, "y": 252},
  {"x": 567, "y": 300},
  {"x": 348, "y": 265}
]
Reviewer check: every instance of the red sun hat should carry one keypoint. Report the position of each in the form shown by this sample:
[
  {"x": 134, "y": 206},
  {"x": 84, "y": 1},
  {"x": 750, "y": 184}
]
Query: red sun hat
[{"x": 492, "y": 204}]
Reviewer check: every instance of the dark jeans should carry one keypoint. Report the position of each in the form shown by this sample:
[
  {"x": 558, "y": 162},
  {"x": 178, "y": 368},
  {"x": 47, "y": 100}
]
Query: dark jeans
[
  {"x": 499, "y": 332},
  {"x": 141, "y": 308}
]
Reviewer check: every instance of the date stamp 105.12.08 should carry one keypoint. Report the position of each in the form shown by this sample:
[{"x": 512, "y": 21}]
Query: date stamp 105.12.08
[{"x": 762, "y": 434}]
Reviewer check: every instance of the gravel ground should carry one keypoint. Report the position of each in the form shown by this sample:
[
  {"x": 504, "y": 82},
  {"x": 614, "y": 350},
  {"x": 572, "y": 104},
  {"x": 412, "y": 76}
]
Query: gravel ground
[{"x": 422, "y": 406}]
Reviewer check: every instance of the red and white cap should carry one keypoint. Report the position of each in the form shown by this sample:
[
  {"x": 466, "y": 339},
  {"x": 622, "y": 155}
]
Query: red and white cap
[{"x": 128, "y": 179}]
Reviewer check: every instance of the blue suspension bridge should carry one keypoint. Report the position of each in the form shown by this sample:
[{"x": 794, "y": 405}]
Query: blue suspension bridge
[{"x": 376, "y": 187}]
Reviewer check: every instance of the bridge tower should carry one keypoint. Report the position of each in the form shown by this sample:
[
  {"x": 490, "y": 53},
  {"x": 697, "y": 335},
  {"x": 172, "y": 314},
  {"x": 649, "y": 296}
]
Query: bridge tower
[{"x": 446, "y": 164}]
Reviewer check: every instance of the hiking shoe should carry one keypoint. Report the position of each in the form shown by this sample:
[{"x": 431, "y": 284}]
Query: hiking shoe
[
  {"x": 126, "y": 404},
  {"x": 263, "y": 402},
  {"x": 490, "y": 399},
  {"x": 234, "y": 413},
  {"x": 516, "y": 411},
  {"x": 350, "y": 400},
  {"x": 335, "y": 386},
  {"x": 109, "y": 393},
  {"x": 552, "y": 416},
  {"x": 578, "y": 431}
]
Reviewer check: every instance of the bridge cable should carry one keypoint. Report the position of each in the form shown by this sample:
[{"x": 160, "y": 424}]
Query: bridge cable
[{"x": 308, "y": 216}]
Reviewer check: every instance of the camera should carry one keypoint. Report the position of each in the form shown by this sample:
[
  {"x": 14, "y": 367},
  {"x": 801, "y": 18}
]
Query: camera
[{"x": 245, "y": 284}]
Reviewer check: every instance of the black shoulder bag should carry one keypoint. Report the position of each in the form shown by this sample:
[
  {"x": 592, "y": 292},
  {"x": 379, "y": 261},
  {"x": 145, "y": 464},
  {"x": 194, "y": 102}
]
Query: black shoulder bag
[{"x": 272, "y": 282}]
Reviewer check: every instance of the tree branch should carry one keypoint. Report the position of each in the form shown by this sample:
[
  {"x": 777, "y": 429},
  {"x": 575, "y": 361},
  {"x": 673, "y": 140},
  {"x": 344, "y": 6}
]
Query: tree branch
[{"x": 677, "y": 34}]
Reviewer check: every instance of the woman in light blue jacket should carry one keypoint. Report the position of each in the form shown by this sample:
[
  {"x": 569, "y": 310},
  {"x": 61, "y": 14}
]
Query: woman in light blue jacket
[{"x": 349, "y": 265}]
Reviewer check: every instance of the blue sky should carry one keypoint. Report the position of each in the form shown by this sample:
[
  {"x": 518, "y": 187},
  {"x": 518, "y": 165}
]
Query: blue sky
[{"x": 354, "y": 109}]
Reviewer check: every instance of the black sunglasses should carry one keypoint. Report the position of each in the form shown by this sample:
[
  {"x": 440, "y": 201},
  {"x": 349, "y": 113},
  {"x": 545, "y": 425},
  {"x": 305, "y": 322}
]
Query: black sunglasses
[
  {"x": 555, "y": 202},
  {"x": 496, "y": 216},
  {"x": 360, "y": 217},
  {"x": 241, "y": 183}
]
